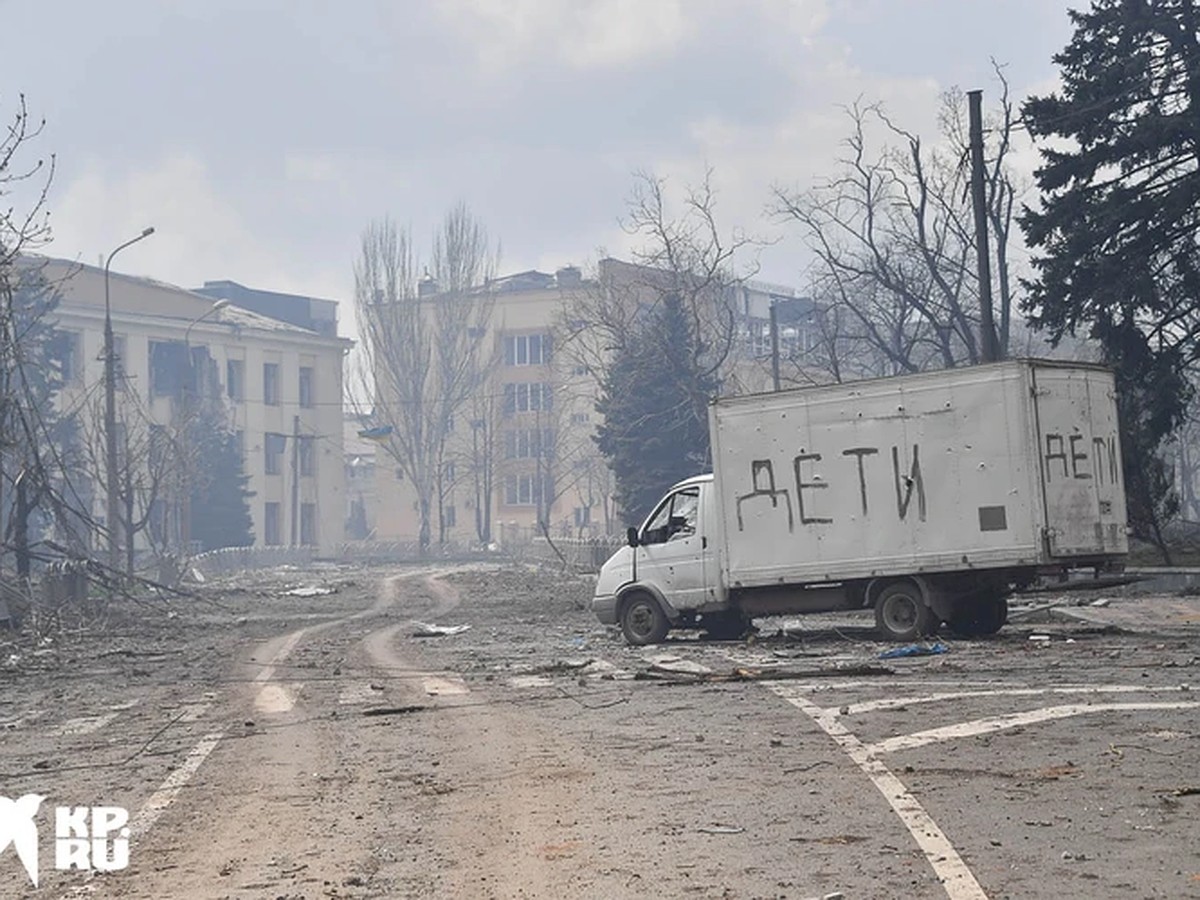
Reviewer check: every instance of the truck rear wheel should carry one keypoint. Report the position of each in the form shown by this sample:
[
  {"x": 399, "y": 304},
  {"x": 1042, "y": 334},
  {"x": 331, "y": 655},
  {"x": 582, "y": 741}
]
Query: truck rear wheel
[
  {"x": 643, "y": 620},
  {"x": 981, "y": 618},
  {"x": 901, "y": 613}
]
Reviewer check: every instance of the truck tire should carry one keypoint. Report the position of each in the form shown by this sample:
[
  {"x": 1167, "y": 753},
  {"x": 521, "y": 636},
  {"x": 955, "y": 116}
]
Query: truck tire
[
  {"x": 979, "y": 619},
  {"x": 643, "y": 620},
  {"x": 901, "y": 613}
]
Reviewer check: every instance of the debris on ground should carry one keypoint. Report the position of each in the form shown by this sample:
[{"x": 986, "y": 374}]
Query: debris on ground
[
  {"x": 309, "y": 591},
  {"x": 740, "y": 673},
  {"x": 721, "y": 829},
  {"x": 425, "y": 629},
  {"x": 915, "y": 650}
]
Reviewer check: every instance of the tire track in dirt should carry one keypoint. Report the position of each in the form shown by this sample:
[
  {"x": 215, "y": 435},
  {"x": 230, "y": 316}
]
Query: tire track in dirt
[{"x": 500, "y": 790}]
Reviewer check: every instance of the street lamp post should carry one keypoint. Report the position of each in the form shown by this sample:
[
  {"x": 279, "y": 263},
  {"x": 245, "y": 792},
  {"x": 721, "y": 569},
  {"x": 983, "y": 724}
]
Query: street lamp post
[
  {"x": 110, "y": 413},
  {"x": 189, "y": 390}
]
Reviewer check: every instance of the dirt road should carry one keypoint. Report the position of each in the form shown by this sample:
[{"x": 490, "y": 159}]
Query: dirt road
[{"x": 280, "y": 746}]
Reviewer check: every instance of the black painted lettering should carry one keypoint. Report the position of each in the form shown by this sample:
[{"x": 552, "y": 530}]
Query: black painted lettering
[
  {"x": 1077, "y": 457},
  {"x": 801, "y": 485},
  {"x": 762, "y": 478},
  {"x": 912, "y": 481},
  {"x": 1105, "y": 450},
  {"x": 1056, "y": 449},
  {"x": 859, "y": 453}
]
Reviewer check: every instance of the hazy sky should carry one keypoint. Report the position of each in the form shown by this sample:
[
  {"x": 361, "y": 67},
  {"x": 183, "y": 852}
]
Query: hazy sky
[{"x": 259, "y": 137}]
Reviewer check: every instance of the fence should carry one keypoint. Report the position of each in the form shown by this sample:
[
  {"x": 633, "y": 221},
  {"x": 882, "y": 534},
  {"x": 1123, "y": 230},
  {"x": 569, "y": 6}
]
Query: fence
[
  {"x": 579, "y": 554},
  {"x": 235, "y": 559}
]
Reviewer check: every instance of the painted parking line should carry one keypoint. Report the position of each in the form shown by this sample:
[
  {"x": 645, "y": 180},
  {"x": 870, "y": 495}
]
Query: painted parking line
[
  {"x": 899, "y": 702},
  {"x": 1012, "y": 720},
  {"x": 172, "y": 785},
  {"x": 956, "y": 877}
]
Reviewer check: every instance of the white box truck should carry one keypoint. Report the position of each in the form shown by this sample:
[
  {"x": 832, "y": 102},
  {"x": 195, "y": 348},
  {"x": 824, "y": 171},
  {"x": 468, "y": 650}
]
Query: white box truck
[{"x": 928, "y": 497}]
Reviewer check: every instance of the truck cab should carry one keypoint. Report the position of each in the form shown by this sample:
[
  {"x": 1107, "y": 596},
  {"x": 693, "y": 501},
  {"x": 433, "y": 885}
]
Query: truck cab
[{"x": 669, "y": 572}]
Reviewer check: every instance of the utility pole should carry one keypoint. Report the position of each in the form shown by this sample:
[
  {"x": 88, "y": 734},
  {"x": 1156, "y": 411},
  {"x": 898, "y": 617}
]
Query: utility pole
[
  {"x": 295, "y": 478},
  {"x": 774, "y": 346},
  {"x": 990, "y": 345},
  {"x": 113, "y": 513}
]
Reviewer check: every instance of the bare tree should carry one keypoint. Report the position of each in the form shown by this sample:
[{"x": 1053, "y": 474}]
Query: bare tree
[
  {"x": 683, "y": 253},
  {"x": 893, "y": 235},
  {"x": 424, "y": 349}
]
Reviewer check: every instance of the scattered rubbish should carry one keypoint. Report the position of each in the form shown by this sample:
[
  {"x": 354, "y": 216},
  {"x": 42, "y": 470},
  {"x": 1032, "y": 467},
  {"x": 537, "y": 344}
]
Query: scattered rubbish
[
  {"x": 1102, "y": 602},
  {"x": 392, "y": 711},
  {"x": 1040, "y": 823},
  {"x": 198, "y": 576},
  {"x": 765, "y": 674},
  {"x": 424, "y": 629},
  {"x": 309, "y": 591},
  {"x": 1190, "y": 791},
  {"x": 915, "y": 650},
  {"x": 681, "y": 667},
  {"x": 810, "y": 766},
  {"x": 1039, "y": 637},
  {"x": 721, "y": 829},
  {"x": 1077, "y": 857}
]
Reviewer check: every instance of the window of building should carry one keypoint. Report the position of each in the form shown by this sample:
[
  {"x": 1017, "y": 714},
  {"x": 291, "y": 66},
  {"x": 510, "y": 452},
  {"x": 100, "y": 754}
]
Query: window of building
[
  {"x": 168, "y": 368},
  {"x": 583, "y": 516},
  {"x": 449, "y": 472},
  {"x": 235, "y": 379},
  {"x": 273, "y": 446},
  {"x": 306, "y": 387},
  {"x": 449, "y": 519},
  {"x": 308, "y": 524},
  {"x": 526, "y": 349},
  {"x": 580, "y": 418},
  {"x": 271, "y": 384},
  {"x": 239, "y": 442},
  {"x": 271, "y": 525},
  {"x": 68, "y": 354},
  {"x": 306, "y": 451},
  {"x": 528, "y": 443},
  {"x": 528, "y": 397},
  {"x": 527, "y": 490}
]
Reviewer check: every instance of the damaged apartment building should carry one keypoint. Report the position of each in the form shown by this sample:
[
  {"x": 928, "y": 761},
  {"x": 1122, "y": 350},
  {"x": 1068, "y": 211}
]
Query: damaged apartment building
[{"x": 267, "y": 365}]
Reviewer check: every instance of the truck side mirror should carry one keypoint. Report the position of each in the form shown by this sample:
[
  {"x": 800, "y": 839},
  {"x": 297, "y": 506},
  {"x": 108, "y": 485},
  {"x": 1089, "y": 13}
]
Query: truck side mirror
[{"x": 632, "y": 536}]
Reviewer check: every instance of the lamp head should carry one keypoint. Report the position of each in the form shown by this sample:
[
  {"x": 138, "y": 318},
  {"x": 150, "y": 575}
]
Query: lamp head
[{"x": 146, "y": 232}]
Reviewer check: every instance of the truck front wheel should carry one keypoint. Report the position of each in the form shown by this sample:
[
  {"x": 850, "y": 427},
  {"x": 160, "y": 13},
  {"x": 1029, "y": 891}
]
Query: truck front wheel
[
  {"x": 901, "y": 613},
  {"x": 643, "y": 620}
]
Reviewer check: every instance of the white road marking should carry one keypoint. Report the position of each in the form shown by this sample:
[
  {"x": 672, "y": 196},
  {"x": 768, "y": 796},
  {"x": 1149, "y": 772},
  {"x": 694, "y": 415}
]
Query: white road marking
[
  {"x": 1012, "y": 720},
  {"x": 895, "y": 702},
  {"x": 955, "y": 876},
  {"x": 171, "y": 786},
  {"x": 82, "y": 725},
  {"x": 274, "y": 698}
]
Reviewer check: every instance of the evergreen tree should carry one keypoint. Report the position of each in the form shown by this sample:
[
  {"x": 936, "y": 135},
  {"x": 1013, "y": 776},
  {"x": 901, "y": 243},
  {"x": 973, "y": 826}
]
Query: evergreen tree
[
  {"x": 1117, "y": 256},
  {"x": 219, "y": 509},
  {"x": 654, "y": 406}
]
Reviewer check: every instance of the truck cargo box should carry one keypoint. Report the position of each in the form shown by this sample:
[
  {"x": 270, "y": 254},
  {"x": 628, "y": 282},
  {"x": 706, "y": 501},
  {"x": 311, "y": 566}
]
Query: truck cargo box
[{"x": 1006, "y": 465}]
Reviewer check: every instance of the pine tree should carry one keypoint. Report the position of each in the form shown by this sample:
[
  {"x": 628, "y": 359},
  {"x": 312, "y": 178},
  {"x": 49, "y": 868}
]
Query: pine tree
[
  {"x": 654, "y": 407},
  {"x": 1116, "y": 231},
  {"x": 219, "y": 510}
]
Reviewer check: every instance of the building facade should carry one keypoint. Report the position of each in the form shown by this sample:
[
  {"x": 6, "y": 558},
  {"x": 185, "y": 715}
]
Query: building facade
[
  {"x": 521, "y": 456},
  {"x": 277, "y": 386}
]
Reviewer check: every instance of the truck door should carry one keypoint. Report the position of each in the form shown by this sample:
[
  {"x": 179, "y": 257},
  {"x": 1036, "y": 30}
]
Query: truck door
[
  {"x": 1080, "y": 457},
  {"x": 672, "y": 552}
]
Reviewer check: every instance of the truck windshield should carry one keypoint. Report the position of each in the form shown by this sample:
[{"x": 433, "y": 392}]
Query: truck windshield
[{"x": 675, "y": 517}]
